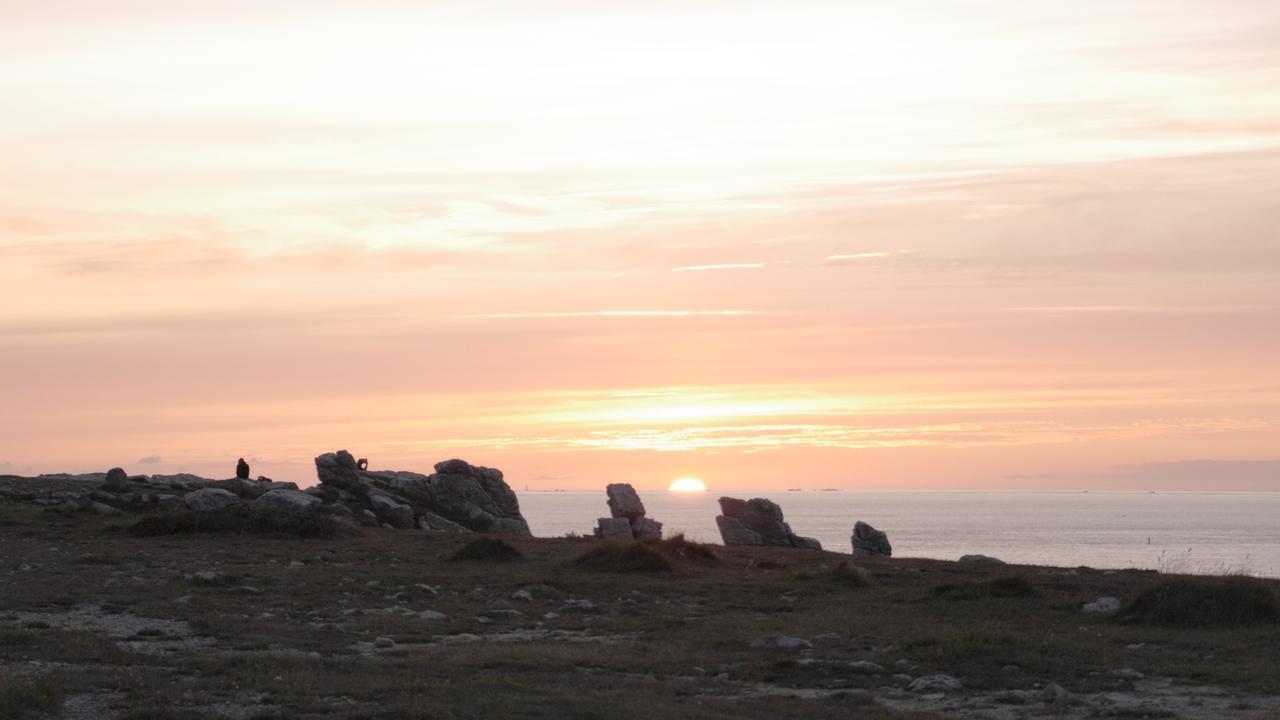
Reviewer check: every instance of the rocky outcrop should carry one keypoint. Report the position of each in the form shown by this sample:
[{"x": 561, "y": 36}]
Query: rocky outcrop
[
  {"x": 628, "y": 521},
  {"x": 757, "y": 522},
  {"x": 867, "y": 540},
  {"x": 458, "y": 497}
]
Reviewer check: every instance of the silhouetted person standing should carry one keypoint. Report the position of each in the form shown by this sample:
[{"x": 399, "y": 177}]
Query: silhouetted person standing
[{"x": 242, "y": 469}]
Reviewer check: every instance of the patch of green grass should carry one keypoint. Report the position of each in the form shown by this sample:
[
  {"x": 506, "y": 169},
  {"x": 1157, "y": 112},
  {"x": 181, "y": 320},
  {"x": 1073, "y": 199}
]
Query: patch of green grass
[
  {"x": 623, "y": 558},
  {"x": 1010, "y": 586},
  {"x": 1199, "y": 602},
  {"x": 487, "y": 549},
  {"x": 20, "y": 699},
  {"x": 239, "y": 521}
]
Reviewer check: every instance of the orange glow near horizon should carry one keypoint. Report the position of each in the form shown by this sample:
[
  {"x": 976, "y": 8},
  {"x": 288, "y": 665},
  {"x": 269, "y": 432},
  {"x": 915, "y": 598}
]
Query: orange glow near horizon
[
  {"x": 865, "y": 246},
  {"x": 687, "y": 485}
]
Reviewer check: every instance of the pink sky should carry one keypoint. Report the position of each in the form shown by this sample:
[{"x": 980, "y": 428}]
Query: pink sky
[{"x": 877, "y": 246}]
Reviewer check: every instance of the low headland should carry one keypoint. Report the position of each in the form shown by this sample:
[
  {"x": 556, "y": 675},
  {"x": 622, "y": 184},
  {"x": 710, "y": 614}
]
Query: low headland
[{"x": 396, "y": 595}]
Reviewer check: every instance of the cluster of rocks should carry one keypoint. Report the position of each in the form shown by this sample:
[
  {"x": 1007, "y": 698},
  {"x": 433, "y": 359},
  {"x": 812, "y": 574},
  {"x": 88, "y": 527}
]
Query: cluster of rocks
[
  {"x": 867, "y": 540},
  {"x": 458, "y": 497},
  {"x": 757, "y": 522},
  {"x": 628, "y": 521}
]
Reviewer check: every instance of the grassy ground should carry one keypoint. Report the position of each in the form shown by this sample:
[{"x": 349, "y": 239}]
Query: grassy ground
[{"x": 96, "y": 622}]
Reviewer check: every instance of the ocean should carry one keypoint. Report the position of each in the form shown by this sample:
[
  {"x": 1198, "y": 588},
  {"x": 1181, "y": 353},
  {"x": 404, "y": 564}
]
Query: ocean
[{"x": 1189, "y": 532}]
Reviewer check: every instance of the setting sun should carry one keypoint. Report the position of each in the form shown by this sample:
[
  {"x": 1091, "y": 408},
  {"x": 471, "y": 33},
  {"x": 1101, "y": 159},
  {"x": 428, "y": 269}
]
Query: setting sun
[{"x": 687, "y": 484}]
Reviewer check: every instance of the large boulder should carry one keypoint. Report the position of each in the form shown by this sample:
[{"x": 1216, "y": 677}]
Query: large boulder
[
  {"x": 282, "y": 500},
  {"x": 623, "y": 501},
  {"x": 339, "y": 470},
  {"x": 396, "y": 514},
  {"x": 867, "y": 540},
  {"x": 646, "y": 529},
  {"x": 757, "y": 522},
  {"x": 210, "y": 499},
  {"x": 613, "y": 528},
  {"x": 117, "y": 481}
]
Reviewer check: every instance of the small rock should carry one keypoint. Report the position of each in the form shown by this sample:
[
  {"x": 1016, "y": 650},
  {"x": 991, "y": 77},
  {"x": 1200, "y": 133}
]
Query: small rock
[
  {"x": 866, "y": 667},
  {"x": 781, "y": 642},
  {"x": 1105, "y": 604},
  {"x": 935, "y": 684},
  {"x": 522, "y": 596},
  {"x": 206, "y": 577},
  {"x": 578, "y": 606},
  {"x": 432, "y": 615},
  {"x": 384, "y": 642},
  {"x": 1126, "y": 674},
  {"x": 1055, "y": 694}
]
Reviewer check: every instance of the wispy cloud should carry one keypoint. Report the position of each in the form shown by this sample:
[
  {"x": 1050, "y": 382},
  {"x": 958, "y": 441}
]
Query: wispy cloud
[
  {"x": 723, "y": 266},
  {"x": 150, "y": 460},
  {"x": 609, "y": 314},
  {"x": 857, "y": 256}
]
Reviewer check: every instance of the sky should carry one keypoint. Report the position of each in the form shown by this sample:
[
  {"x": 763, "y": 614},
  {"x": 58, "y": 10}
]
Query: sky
[{"x": 969, "y": 245}]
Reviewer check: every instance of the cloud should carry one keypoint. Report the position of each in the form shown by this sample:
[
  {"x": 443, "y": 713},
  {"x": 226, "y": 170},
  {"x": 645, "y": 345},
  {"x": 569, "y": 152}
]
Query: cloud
[
  {"x": 149, "y": 460},
  {"x": 857, "y": 256},
  {"x": 609, "y": 314},
  {"x": 724, "y": 266}
]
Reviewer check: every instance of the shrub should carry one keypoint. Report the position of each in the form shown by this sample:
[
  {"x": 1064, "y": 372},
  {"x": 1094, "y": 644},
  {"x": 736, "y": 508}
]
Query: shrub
[
  {"x": 237, "y": 520},
  {"x": 1205, "y": 603},
  {"x": 486, "y": 549},
  {"x": 1010, "y": 586},
  {"x": 680, "y": 548},
  {"x": 624, "y": 558},
  {"x": 848, "y": 576}
]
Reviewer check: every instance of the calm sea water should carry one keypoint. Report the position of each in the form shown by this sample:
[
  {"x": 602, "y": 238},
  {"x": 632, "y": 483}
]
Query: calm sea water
[{"x": 1174, "y": 532}]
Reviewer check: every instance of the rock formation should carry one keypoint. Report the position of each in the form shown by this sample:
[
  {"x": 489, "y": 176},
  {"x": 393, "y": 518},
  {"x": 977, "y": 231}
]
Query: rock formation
[
  {"x": 458, "y": 497},
  {"x": 869, "y": 541},
  {"x": 757, "y": 522},
  {"x": 628, "y": 521},
  {"x": 242, "y": 469}
]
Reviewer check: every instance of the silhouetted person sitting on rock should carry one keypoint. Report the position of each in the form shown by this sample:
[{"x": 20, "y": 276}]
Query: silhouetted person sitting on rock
[{"x": 242, "y": 469}]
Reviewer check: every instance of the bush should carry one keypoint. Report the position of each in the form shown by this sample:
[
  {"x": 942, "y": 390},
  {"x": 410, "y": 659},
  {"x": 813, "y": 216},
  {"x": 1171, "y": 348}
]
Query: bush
[
  {"x": 679, "y": 548},
  {"x": 486, "y": 549},
  {"x": 624, "y": 558},
  {"x": 847, "y": 575},
  {"x": 1010, "y": 586},
  {"x": 1205, "y": 603},
  {"x": 237, "y": 520}
]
